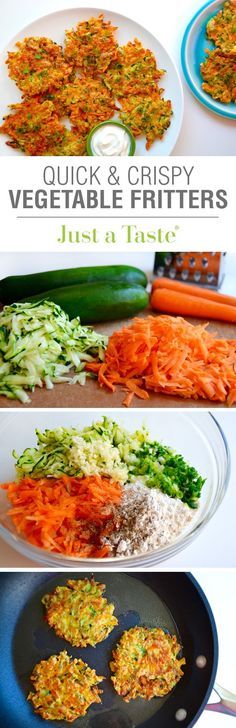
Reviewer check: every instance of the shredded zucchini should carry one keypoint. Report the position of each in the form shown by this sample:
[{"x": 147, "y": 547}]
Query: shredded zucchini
[
  {"x": 105, "y": 448},
  {"x": 40, "y": 346}
]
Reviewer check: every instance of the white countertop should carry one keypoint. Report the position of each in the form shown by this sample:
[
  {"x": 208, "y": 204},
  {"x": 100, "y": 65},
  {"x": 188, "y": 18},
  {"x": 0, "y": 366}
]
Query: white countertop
[
  {"x": 220, "y": 589},
  {"x": 203, "y": 133}
]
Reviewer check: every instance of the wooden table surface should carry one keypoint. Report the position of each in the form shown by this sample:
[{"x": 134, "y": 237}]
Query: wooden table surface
[{"x": 93, "y": 396}]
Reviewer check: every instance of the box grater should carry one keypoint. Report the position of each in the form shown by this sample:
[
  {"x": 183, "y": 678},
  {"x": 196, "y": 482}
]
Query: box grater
[{"x": 204, "y": 269}]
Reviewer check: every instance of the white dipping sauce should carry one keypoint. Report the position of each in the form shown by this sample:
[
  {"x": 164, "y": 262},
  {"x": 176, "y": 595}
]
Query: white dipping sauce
[{"x": 110, "y": 140}]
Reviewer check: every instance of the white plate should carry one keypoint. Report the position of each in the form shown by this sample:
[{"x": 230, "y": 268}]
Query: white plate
[{"x": 54, "y": 26}]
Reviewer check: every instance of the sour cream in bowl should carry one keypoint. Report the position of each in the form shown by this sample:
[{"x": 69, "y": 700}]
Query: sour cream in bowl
[{"x": 110, "y": 139}]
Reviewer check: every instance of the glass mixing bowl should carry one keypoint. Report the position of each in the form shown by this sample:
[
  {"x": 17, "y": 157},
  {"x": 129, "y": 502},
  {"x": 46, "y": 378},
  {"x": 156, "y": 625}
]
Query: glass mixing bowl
[{"x": 197, "y": 436}]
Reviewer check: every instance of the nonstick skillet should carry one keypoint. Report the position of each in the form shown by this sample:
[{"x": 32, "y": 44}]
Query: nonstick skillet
[{"x": 173, "y": 601}]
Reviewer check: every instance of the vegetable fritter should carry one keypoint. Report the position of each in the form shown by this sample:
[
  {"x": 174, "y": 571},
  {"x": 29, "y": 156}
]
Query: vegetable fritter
[
  {"x": 134, "y": 72},
  {"x": 91, "y": 46},
  {"x": 72, "y": 145},
  {"x": 64, "y": 688},
  {"x": 146, "y": 114},
  {"x": 219, "y": 74},
  {"x": 145, "y": 663},
  {"x": 54, "y": 95},
  {"x": 79, "y": 613},
  {"x": 87, "y": 103},
  {"x": 34, "y": 127},
  {"x": 82, "y": 82},
  {"x": 38, "y": 65},
  {"x": 222, "y": 28}
]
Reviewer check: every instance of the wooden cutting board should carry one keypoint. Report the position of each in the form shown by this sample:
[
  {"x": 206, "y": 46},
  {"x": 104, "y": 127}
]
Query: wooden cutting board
[{"x": 93, "y": 396}]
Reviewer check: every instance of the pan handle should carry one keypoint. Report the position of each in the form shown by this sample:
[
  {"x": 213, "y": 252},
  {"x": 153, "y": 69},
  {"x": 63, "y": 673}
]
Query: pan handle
[{"x": 226, "y": 704}]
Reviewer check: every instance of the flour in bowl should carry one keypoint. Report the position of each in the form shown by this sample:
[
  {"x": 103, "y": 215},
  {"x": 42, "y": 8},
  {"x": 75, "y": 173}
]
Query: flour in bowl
[{"x": 147, "y": 519}]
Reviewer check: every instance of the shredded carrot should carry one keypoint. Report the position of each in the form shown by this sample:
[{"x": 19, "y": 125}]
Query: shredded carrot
[
  {"x": 169, "y": 355},
  {"x": 65, "y": 515},
  {"x": 93, "y": 366},
  {"x": 128, "y": 399}
]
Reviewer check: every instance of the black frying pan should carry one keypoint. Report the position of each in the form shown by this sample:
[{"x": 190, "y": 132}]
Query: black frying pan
[{"x": 173, "y": 601}]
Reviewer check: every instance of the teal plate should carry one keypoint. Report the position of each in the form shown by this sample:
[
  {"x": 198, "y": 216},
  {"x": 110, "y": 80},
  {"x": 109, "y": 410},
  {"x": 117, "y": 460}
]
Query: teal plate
[{"x": 193, "y": 52}]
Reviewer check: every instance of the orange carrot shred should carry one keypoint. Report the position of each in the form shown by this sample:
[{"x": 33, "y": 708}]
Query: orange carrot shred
[
  {"x": 169, "y": 355},
  {"x": 67, "y": 515},
  {"x": 128, "y": 399}
]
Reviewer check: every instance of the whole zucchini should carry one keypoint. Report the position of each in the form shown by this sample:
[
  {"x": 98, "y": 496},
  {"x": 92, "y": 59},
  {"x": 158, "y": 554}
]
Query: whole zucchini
[
  {"x": 14, "y": 288},
  {"x": 97, "y": 302}
]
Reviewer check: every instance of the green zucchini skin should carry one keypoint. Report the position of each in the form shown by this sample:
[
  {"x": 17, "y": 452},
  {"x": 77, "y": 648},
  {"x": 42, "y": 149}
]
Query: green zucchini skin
[
  {"x": 95, "y": 303},
  {"x": 15, "y": 288}
]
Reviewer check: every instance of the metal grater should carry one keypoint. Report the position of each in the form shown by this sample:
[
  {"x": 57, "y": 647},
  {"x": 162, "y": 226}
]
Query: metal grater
[{"x": 204, "y": 269}]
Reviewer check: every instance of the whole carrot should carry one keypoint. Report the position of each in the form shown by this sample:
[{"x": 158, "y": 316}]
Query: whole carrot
[
  {"x": 181, "y": 304},
  {"x": 192, "y": 290}
]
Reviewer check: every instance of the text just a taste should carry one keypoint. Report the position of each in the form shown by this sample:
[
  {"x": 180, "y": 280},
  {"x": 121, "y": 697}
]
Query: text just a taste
[{"x": 126, "y": 234}]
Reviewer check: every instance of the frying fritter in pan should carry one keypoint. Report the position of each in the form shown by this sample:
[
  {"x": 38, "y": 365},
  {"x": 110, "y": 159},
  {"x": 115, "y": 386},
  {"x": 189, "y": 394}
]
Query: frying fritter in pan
[
  {"x": 145, "y": 664},
  {"x": 64, "y": 688},
  {"x": 79, "y": 613}
]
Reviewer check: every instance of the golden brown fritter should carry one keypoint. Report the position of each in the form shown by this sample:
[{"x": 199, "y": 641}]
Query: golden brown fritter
[
  {"x": 107, "y": 72},
  {"x": 91, "y": 46},
  {"x": 64, "y": 688},
  {"x": 146, "y": 114},
  {"x": 145, "y": 664},
  {"x": 87, "y": 102},
  {"x": 221, "y": 29},
  {"x": 134, "y": 72},
  {"x": 54, "y": 95},
  {"x": 79, "y": 613},
  {"x": 72, "y": 145},
  {"x": 38, "y": 65},
  {"x": 219, "y": 76},
  {"x": 33, "y": 127}
]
